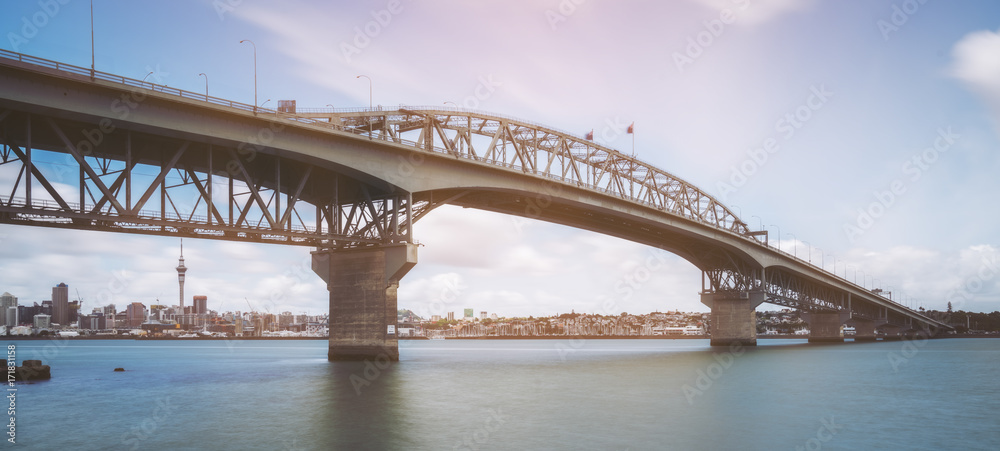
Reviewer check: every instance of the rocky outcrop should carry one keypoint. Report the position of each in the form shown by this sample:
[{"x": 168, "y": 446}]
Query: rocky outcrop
[{"x": 31, "y": 370}]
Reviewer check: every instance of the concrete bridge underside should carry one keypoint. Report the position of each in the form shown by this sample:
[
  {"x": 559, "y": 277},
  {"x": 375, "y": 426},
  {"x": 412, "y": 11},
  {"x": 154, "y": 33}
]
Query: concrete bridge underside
[{"x": 351, "y": 187}]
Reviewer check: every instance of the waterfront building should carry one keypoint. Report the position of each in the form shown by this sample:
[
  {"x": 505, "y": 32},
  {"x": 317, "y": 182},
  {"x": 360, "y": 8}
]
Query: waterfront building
[
  {"x": 135, "y": 314},
  {"x": 60, "y": 304},
  {"x": 201, "y": 304},
  {"x": 42, "y": 321},
  {"x": 7, "y": 300}
]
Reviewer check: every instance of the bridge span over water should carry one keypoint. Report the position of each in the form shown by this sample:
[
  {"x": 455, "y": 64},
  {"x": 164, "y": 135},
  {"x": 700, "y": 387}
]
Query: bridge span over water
[{"x": 350, "y": 183}]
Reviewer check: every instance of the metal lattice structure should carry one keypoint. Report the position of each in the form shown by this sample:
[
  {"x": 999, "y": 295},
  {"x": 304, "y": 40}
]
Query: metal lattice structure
[{"x": 538, "y": 150}]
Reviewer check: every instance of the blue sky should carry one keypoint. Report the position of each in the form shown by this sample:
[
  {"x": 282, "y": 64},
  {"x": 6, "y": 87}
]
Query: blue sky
[{"x": 896, "y": 75}]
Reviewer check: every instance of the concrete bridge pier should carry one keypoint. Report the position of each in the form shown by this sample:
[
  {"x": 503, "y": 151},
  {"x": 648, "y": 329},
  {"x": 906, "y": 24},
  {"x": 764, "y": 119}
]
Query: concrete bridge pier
[
  {"x": 891, "y": 332},
  {"x": 734, "y": 319},
  {"x": 362, "y": 284},
  {"x": 825, "y": 327},
  {"x": 864, "y": 330}
]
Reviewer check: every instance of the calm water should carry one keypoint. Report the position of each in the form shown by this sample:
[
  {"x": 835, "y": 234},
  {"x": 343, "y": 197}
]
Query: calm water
[{"x": 513, "y": 394}]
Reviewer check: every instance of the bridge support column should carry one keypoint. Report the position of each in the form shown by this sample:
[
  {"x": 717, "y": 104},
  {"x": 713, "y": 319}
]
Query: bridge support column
[
  {"x": 824, "y": 327},
  {"x": 891, "y": 332},
  {"x": 362, "y": 284},
  {"x": 864, "y": 330},
  {"x": 734, "y": 319}
]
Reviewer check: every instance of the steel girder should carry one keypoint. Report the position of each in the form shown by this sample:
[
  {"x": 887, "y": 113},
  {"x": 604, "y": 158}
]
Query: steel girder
[
  {"x": 543, "y": 151},
  {"x": 131, "y": 182}
]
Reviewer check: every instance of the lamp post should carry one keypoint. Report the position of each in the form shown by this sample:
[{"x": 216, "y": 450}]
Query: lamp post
[
  {"x": 795, "y": 246},
  {"x": 265, "y": 103},
  {"x": 93, "y": 72},
  {"x": 779, "y": 236},
  {"x": 453, "y": 103},
  {"x": 810, "y": 253},
  {"x": 206, "y": 85},
  {"x": 254, "y": 73},
  {"x": 863, "y": 277},
  {"x": 738, "y": 208},
  {"x": 371, "y": 86}
]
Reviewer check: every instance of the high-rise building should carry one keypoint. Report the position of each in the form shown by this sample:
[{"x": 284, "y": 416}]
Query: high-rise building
[
  {"x": 482, "y": 315},
  {"x": 60, "y": 304},
  {"x": 181, "y": 269},
  {"x": 135, "y": 314},
  {"x": 200, "y": 304},
  {"x": 451, "y": 316},
  {"x": 468, "y": 314},
  {"x": 7, "y": 300},
  {"x": 11, "y": 317},
  {"x": 109, "y": 316}
]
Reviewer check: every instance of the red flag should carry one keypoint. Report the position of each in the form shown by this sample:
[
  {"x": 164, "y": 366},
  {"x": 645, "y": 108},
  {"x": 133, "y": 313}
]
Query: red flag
[
  {"x": 631, "y": 128},
  {"x": 590, "y": 135}
]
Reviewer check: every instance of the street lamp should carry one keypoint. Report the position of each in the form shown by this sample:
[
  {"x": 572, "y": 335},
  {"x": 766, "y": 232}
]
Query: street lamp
[
  {"x": 810, "y": 251},
  {"x": 265, "y": 103},
  {"x": 206, "y": 85},
  {"x": 795, "y": 246},
  {"x": 371, "y": 86},
  {"x": 453, "y": 103},
  {"x": 147, "y": 76},
  {"x": 855, "y": 273},
  {"x": 738, "y": 208},
  {"x": 779, "y": 235},
  {"x": 863, "y": 277},
  {"x": 254, "y": 73}
]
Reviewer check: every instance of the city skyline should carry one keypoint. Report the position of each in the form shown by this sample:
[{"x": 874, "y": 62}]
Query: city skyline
[{"x": 909, "y": 99}]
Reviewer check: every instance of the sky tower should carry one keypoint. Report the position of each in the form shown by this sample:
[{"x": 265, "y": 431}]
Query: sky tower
[{"x": 180, "y": 276}]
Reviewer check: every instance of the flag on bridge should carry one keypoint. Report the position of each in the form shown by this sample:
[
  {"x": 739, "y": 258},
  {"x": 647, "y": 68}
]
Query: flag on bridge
[
  {"x": 631, "y": 128},
  {"x": 590, "y": 135}
]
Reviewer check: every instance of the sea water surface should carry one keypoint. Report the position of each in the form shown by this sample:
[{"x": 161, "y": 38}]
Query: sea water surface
[{"x": 512, "y": 394}]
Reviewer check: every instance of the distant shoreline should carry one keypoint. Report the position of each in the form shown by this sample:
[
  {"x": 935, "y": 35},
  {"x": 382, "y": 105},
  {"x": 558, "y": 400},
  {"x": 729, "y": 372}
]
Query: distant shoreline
[{"x": 541, "y": 337}]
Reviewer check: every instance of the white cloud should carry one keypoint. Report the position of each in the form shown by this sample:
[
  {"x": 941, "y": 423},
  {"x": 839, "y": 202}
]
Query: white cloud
[{"x": 976, "y": 63}]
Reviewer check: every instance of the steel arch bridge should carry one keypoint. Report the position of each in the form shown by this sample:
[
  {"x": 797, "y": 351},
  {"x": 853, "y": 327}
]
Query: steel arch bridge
[{"x": 90, "y": 150}]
